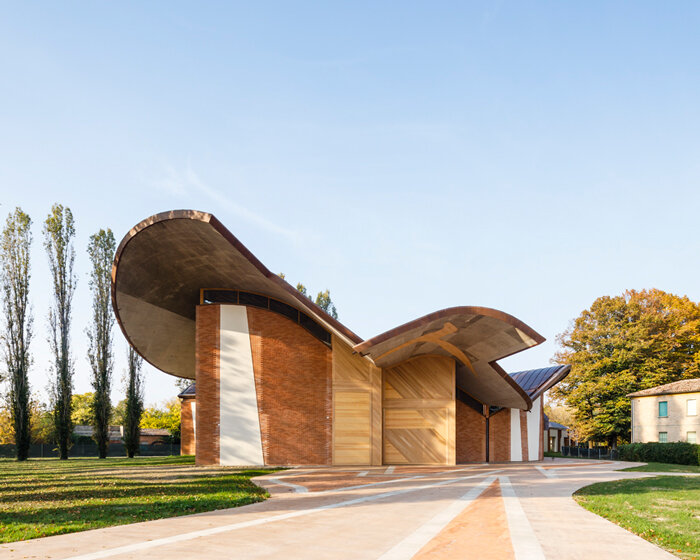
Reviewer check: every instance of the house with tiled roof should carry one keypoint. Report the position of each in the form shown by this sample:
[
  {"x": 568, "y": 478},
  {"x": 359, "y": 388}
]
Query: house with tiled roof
[{"x": 666, "y": 413}]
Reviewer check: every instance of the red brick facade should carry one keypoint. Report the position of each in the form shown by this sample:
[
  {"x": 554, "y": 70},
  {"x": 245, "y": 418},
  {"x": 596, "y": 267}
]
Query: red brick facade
[
  {"x": 293, "y": 376},
  {"x": 470, "y": 435},
  {"x": 187, "y": 440},
  {"x": 523, "y": 435},
  {"x": 207, "y": 379},
  {"x": 499, "y": 436}
]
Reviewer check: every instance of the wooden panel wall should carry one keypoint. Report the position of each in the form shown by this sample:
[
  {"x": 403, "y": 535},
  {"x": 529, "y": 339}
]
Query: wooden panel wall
[
  {"x": 419, "y": 412},
  {"x": 357, "y": 408}
]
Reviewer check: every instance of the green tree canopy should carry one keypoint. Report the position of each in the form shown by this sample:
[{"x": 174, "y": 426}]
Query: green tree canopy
[
  {"x": 323, "y": 299},
  {"x": 620, "y": 345},
  {"x": 167, "y": 417},
  {"x": 81, "y": 409}
]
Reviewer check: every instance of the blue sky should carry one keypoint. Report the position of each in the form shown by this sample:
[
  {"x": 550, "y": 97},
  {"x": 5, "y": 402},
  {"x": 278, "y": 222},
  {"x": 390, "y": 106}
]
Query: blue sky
[{"x": 408, "y": 156}]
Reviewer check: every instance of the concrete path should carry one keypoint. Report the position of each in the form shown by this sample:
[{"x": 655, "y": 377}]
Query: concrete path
[{"x": 495, "y": 511}]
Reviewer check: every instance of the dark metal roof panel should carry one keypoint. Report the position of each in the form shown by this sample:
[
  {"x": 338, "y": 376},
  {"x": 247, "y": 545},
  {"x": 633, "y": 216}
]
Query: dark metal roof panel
[
  {"x": 189, "y": 391},
  {"x": 535, "y": 381}
]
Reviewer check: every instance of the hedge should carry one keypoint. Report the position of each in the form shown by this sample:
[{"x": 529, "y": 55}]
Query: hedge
[{"x": 679, "y": 453}]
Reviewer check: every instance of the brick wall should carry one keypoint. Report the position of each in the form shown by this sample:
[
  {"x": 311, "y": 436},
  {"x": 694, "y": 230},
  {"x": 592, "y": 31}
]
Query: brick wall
[
  {"x": 293, "y": 384},
  {"x": 471, "y": 435},
  {"x": 187, "y": 441},
  {"x": 207, "y": 379},
  {"x": 523, "y": 435},
  {"x": 499, "y": 436}
]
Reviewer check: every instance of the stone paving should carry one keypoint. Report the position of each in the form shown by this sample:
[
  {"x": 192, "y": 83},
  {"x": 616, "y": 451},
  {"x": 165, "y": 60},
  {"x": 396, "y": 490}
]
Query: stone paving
[{"x": 487, "y": 511}]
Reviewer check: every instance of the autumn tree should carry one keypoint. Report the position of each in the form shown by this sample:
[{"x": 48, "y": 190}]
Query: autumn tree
[
  {"x": 134, "y": 403},
  {"x": 59, "y": 232},
  {"x": 167, "y": 418},
  {"x": 82, "y": 409},
  {"x": 624, "y": 344},
  {"x": 101, "y": 252},
  {"x": 17, "y": 322}
]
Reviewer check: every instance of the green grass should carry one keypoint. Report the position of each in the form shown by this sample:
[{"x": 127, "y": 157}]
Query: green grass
[
  {"x": 665, "y": 467},
  {"x": 42, "y": 497},
  {"x": 663, "y": 509}
]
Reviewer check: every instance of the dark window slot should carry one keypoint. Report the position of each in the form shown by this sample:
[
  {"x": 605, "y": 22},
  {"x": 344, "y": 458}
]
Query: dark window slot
[{"x": 254, "y": 300}]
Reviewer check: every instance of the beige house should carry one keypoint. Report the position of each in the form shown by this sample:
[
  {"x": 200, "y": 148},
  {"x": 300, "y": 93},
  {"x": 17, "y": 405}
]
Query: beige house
[{"x": 666, "y": 413}]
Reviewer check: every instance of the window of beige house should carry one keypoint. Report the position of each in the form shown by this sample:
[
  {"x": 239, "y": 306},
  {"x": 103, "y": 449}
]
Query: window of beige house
[
  {"x": 663, "y": 437},
  {"x": 691, "y": 406},
  {"x": 663, "y": 409},
  {"x": 691, "y": 437}
]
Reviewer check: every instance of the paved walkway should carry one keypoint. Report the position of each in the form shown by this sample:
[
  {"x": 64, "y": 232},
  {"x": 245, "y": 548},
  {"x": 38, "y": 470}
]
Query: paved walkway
[{"x": 495, "y": 511}]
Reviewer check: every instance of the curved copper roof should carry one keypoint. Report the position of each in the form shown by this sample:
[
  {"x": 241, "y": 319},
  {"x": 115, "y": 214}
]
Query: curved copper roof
[
  {"x": 164, "y": 261},
  {"x": 475, "y": 336},
  {"x": 159, "y": 269}
]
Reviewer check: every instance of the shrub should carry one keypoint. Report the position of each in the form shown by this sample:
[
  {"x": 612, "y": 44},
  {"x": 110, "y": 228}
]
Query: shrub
[{"x": 678, "y": 453}]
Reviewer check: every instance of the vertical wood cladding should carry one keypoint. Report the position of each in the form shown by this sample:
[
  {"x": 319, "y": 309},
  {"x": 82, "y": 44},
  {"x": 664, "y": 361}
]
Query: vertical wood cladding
[
  {"x": 207, "y": 379},
  {"x": 471, "y": 435},
  {"x": 293, "y": 383},
  {"x": 499, "y": 436},
  {"x": 357, "y": 408},
  {"x": 187, "y": 441}
]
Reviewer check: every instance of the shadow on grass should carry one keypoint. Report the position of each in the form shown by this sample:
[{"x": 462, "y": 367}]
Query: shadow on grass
[{"x": 641, "y": 486}]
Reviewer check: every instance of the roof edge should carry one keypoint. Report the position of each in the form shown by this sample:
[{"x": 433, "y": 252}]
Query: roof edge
[
  {"x": 560, "y": 374},
  {"x": 513, "y": 383},
  {"x": 209, "y": 218},
  {"x": 363, "y": 347}
]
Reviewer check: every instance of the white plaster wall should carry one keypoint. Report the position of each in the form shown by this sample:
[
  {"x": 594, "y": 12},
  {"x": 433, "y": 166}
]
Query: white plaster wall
[
  {"x": 516, "y": 446},
  {"x": 193, "y": 408},
  {"x": 240, "y": 441},
  {"x": 534, "y": 417}
]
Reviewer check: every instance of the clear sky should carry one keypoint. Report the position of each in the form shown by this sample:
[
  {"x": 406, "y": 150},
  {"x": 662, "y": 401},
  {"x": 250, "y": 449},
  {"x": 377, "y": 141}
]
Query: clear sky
[{"x": 409, "y": 156}]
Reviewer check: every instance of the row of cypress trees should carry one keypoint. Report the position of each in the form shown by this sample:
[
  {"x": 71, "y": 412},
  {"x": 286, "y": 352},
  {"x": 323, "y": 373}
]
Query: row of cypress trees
[{"x": 17, "y": 333}]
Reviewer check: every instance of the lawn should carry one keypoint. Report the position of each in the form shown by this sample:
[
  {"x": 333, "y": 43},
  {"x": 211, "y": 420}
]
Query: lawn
[
  {"x": 663, "y": 509},
  {"x": 665, "y": 467},
  {"x": 44, "y": 497}
]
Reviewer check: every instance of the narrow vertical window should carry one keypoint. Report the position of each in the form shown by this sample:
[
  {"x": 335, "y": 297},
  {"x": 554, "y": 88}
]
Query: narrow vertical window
[
  {"x": 663, "y": 409},
  {"x": 691, "y": 437},
  {"x": 663, "y": 437},
  {"x": 691, "y": 406}
]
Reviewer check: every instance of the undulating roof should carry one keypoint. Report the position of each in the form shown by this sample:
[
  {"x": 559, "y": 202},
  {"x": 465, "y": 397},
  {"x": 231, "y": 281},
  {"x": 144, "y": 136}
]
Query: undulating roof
[
  {"x": 536, "y": 381},
  {"x": 684, "y": 386},
  {"x": 159, "y": 269},
  {"x": 474, "y": 336},
  {"x": 164, "y": 262}
]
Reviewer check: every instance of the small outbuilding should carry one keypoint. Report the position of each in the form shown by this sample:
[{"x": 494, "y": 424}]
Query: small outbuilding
[{"x": 556, "y": 435}]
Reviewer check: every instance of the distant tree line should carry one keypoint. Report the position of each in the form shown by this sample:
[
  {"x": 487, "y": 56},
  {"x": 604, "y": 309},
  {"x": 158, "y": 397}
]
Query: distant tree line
[{"x": 29, "y": 419}]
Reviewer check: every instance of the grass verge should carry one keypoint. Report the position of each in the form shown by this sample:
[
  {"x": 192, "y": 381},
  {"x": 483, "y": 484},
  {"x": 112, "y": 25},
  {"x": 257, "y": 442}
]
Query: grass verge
[
  {"x": 663, "y": 509},
  {"x": 665, "y": 467},
  {"x": 44, "y": 497}
]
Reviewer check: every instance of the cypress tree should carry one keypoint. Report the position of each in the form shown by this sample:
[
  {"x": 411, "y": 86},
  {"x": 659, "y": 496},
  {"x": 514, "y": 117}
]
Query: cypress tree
[
  {"x": 59, "y": 232},
  {"x": 101, "y": 251},
  {"x": 134, "y": 403},
  {"x": 17, "y": 332}
]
